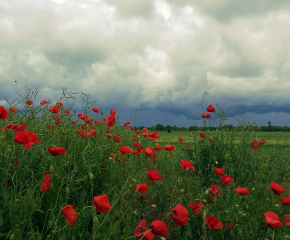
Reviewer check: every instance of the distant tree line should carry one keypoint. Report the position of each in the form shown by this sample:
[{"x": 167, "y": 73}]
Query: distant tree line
[{"x": 230, "y": 127}]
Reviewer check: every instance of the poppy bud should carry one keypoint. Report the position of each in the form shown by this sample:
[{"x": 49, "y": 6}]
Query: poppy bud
[
  {"x": 95, "y": 220},
  {"x": 50, "y": 223},
  {"x": 253, "y": 189},
  {"x": 91, "y": 176},
  {"x": 277, "y": 205},
  {"x": 244, "y": 214},
  {"x": 204, "y": 201},
  {"x": 135, "y": 213},
  {"x": 153, "y": 205},
  {"x": 162, "y": 238},
  {"x": 207, "y": 191},
  {"x": 12, "y": 236},
  {"x": 51, "y": 168},
  {"x": 2, "y": 138},
  {"x": 182, "y": 191},
  {"x": 134, "y": 180}
]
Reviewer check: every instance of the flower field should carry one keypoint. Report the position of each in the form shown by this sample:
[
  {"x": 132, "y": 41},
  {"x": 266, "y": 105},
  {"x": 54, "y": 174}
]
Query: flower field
[{"x": 87, "y": 175}]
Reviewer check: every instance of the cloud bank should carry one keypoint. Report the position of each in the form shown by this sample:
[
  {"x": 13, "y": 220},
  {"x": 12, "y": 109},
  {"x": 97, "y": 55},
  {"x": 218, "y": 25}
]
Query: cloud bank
[{"x": 152, "y": 57}]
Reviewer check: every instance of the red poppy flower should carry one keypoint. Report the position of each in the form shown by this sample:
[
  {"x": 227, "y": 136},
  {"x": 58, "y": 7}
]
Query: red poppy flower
[
  {"x": 154, "y": 176},
  {"x": 143, "y": 232},
  {"x": 117, "y": 139},
  {"x": 53, "y": 109},
  {"x": 242, "y": 191},
  {"x": 43, "y": 102},
  {"x": 142, "y": 188},
  {"x": 136, "y": 152},
  {"x": 59, "y": 105},
  {"x": 286, "y": 219},
  {"x": 213, "y": 222},
  {"x": 169, "y": 147},
  {"x": 6, "y": 126},
  {"x": 226, "y": 179},
  {"x": 15, "y": 127},
  {"x": 262, "y": 142},
  {"x": 125, "y": 150},
  {"x": 272, "y": 220},
  {"x": 153, "y": 136},
  {"x": 229, "y": 225},
  {"x": 27, "y": 139},
  {"x": 95, "y": 109},
  {"x": 276, "y": 188},
  {"x": 56, "y": 119},
  {"x": 29, "y": 102},
  {"x": 219, "y": 171},
  {"x": 179, "y": 215},
  {"x": 111, "y": 120},
  {"x": 73, "y": 123},
  {"x": 205, "y": 115},
  {"x": 55, "y": 151},
  {"x": 12, "y": 109},
  {"x": 70, "y": 214},
  {"x": 185, "y": 146},
  {"x": 144, "y": 129},
  {"x": 211, "y": 139},
  {"x": 285, "y": 200},
  {"x": 135, "y": 144},
  {"x": 3, "y": 113},
  {"x": 195, "y": 207},
  {"x": 15, "y": 164},
  {"x": 138, "y": 132},
  {"x": 202, "y": 135},
  {"x": 180, "y": 140},
  {"x": 148, "y": 152},
  {"x": 83, "y": 116},
  {"x": 159, "y": 228},
  {"x": 210, "y": 108},
  {"x": 158, "y": 147},
  {"x": 67, "y": 112},
  {"x": 187, "y": 165},
  {"x": 102, "y": 203},
  {"x": 255, "y": 145},
  {"x": 92, "y": 132},
  {"x": 45, "y": 183},
  {"x": 215, "y": 190}
]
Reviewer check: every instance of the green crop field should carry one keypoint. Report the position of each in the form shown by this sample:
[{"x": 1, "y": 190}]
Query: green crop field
[
  {"x": 94, "y": 180},
  {"x": 277, "y": 138}
]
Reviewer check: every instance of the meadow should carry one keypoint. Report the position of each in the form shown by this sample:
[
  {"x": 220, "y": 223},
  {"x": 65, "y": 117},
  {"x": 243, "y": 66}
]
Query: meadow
[{"x": 79, "y": 175}]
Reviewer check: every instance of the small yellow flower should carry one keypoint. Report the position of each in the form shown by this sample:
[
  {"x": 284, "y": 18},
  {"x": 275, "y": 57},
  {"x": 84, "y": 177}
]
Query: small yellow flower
[{"x": 216, "y": 162}]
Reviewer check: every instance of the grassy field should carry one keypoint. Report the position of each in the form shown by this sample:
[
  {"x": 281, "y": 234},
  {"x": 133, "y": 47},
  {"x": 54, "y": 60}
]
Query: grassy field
[
  {"x": 99, "y": 181},
  {"x": 276, "y": 138}
]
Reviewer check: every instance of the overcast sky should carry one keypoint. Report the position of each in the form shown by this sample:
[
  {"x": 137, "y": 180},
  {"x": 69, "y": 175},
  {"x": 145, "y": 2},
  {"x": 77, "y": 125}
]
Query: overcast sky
[{"x": 152, "y": 58}]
